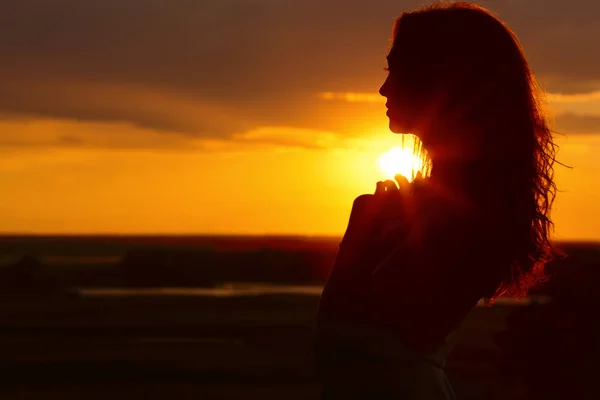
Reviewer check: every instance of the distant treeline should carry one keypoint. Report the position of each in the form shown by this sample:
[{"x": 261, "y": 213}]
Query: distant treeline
[
  {"x": 160, "y": 267},
  {"x": 185, "y": 262}
]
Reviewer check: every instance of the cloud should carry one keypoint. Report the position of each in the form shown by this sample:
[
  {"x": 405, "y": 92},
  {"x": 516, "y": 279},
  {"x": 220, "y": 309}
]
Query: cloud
[
  {"x": 352, "y": 97},
  {"x": 253, "y": 63},
  {"x": 577, "y": 113},
  {"x": 52, "y": 134},
  {"x": 578, "y": 123},
  {"x": 559, "y": 98},
  {"x": 556, "y": 98},
  {"x": 146, "y": 107},
  {"x": 215, "y": 69},
  {"x": 559, "y": 40},
  {"x": 290, "y": 137},
  {"x": 49, "y": 134}
]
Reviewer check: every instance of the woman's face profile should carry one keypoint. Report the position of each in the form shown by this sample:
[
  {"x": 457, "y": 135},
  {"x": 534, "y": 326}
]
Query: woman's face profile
[
  {"x": 393, "y": 112},
  {"x": 400, "y": 102}
]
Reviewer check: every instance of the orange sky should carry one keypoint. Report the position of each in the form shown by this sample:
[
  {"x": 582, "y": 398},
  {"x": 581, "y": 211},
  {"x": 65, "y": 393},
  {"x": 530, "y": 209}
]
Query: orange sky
[
  {"x": 234, "y": 187},
  {"x": 156, "y": 134}
]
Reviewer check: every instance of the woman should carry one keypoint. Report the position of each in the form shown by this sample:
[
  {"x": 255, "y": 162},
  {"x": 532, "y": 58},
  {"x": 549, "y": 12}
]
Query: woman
[{"x": 478, "y": 226}]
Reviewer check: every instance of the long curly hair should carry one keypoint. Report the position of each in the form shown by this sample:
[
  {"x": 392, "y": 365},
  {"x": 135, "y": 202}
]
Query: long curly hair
[{"x": 467, "y": 55}]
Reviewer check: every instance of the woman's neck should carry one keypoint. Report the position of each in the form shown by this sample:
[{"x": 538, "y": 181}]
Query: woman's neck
[
  {"x": 454, "y": 154},
  {"x": 449, "y": 173}
]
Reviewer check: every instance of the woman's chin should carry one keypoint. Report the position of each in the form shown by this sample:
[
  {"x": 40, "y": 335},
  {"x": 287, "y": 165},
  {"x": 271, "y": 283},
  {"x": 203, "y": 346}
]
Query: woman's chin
[{"x": 395, "y": 127}]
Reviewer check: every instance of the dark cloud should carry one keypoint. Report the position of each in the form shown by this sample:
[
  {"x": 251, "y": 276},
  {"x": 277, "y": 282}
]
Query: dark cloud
[
  {"x": 577, "y": 123},
  {"x": 560, "y": 40},
  {"x": 71, "y": 141},
  {"x": 66, "y": 141},
  {"x": 218, "y": 67},
  {"x": 42, "y": 134},
  {"x": 147, "y": 107}
]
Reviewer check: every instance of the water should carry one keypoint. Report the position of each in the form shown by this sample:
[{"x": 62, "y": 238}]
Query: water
[
  {"x": 252, "y": 289},
  {"x": 225, "y": 290}
]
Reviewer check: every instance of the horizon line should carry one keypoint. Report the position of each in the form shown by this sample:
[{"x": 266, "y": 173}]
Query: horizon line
[{"x": 4, "y": 235}]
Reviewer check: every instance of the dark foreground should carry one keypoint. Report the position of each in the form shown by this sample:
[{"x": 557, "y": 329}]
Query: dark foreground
[
  {"x": 57, "y": 344},
  {"x": 153, "y": 347}
]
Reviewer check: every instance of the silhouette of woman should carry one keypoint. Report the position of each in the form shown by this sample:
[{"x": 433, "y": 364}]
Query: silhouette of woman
[{"x": 478, "y": 226}]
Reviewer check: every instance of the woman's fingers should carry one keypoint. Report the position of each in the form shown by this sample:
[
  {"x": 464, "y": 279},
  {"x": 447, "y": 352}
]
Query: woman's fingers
[
  {"x": 390, "y": 186},
  {"x": 402, "y": 181},
  {"x": 384, "y": 187}
]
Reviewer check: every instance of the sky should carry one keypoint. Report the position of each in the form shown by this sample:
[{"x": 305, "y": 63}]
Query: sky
[{"x": 241, "y": 116}]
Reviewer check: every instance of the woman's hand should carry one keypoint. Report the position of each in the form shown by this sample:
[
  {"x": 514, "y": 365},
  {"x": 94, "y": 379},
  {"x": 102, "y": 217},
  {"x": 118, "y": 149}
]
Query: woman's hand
[{"x": 375, "y": 215}]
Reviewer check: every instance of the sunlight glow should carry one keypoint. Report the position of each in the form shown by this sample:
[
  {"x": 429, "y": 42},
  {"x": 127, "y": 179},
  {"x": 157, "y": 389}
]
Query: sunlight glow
[{"x": 406, "y": 160}]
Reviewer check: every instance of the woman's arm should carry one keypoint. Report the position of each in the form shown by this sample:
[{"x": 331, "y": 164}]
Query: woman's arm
[
  {"x": 364, "y": 245},
  {"x": 342, "y": 318}
]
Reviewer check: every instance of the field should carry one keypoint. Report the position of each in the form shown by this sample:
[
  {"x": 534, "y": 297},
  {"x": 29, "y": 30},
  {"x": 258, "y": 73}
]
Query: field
[{"x": 90, "y": 318}]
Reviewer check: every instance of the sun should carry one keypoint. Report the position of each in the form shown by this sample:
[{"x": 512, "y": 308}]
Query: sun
[{"x": 403, "y": 160}]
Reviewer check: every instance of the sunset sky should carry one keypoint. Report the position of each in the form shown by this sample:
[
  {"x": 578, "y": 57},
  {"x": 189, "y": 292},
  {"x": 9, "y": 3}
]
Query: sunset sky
[{"x": 241, "y": 116}]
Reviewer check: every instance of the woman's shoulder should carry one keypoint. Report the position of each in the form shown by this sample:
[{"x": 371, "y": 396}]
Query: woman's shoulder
[{"x": 436, "y": 204}]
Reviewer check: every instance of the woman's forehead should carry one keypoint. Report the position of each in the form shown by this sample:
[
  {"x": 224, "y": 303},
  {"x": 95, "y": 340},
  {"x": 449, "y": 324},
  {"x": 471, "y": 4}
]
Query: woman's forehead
[{"x": 395, "y": 53}]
